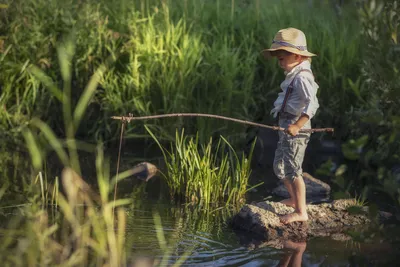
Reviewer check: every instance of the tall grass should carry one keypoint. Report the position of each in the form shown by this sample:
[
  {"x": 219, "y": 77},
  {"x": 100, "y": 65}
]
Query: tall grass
[
  {"x": 80, "y": 231},
  {"x": 88, "y": 228},
  {"x": 171, "y": 56},
  {"x": 205, "y": 174},
  {"x": 86, "y": 235},
  {"x": 81, "y": 234}
]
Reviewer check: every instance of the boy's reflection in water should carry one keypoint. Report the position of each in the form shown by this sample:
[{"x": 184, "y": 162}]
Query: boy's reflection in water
[{"x": 293, "y": 255}]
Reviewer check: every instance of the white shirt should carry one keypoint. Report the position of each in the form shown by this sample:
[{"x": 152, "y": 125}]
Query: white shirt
[{"x": 303, "y": 98}]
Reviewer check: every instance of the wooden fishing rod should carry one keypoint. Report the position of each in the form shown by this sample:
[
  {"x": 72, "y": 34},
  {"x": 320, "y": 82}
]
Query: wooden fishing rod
[{"x": 130, "y": 118}]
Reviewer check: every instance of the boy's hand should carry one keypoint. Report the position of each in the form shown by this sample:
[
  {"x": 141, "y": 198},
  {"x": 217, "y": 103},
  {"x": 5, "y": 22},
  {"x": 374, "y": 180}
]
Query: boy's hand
[{"x": 293, "y": 129}]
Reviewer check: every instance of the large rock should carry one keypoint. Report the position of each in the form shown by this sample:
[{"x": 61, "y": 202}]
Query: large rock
[
  {"x": 325, "y": 219},
  {"x": 316, "y": 190}
]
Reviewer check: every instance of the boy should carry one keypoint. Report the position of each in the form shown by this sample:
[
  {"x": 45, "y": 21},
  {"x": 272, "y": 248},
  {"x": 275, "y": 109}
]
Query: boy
[{"x": 295, "y": 106}]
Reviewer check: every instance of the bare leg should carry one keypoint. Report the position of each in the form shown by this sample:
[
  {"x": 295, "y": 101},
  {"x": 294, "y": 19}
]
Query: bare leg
[
  {"x": 298, "y": 250},
  {"x": 289, "y": 201},
  {"x": 300, "y": 213},
  {"x": 295, "y": 256},
  {"x": 284, "y": 262}
]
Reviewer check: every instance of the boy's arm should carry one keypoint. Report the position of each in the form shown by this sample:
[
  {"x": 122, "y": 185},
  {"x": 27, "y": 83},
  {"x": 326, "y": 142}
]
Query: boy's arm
[
  {"x": 293, "y": 129},
  {"x": 307, "y": 90}
]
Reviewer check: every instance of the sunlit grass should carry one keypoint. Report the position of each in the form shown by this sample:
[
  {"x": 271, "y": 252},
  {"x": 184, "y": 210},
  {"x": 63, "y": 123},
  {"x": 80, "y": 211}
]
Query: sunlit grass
[
  {"x": 77, "y": 228},
  {"x": 171, "y": 56},
  {"x": 89, "y": 232},
  {"x": 206, "y": 174},
  {"x": 80, "y": 226}
]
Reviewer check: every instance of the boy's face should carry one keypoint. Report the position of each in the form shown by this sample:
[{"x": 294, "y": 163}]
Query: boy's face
[{"x": 287, "y": 60}]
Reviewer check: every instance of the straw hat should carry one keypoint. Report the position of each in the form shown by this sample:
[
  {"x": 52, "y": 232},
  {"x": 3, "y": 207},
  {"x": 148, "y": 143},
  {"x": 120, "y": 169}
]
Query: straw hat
[{"x": 291, "y": 40}]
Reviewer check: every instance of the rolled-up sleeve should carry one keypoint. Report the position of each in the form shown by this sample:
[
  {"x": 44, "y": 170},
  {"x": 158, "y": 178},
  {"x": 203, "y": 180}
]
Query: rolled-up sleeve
[{"x": 307, "y": 90}]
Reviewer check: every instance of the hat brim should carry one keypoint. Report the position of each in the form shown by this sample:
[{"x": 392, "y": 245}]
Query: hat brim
[{"x": 267, "y": 52}]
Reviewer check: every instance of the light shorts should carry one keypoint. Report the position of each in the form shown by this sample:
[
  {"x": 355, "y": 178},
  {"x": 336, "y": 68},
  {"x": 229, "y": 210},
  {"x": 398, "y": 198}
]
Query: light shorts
[{"x": 289, "y": 154}]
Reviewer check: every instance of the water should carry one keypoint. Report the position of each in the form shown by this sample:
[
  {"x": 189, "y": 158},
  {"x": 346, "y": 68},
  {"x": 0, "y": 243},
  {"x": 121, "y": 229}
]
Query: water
[
  {"x": 209, "y": 241},
  {"x": 212, "y": 242}
]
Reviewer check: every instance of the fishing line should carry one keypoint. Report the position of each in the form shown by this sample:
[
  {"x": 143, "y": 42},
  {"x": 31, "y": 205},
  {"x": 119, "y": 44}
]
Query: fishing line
[{"x": 119, "y": 157}]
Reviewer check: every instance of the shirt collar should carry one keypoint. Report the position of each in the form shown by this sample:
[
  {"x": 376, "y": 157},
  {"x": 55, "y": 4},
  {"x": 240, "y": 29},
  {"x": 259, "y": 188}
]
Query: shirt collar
[{"x": 305, "y": 65}]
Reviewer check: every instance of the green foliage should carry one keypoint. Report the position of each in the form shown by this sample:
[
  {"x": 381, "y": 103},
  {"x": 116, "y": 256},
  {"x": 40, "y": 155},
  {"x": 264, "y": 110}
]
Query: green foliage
[
  {"x": 356, "y": 210},
  {"x": 376, "y": 116},
  {"x": 205, "y": 174},
  {"x": 91, "y": 232},
  {"x": 353, "y": 148},
  {"x": 170, "y": 56},
  {"x": 88, "y": 228},
  {"x": 44, "y": 240}
]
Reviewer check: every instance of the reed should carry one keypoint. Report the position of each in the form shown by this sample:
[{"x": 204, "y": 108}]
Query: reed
[
  {"x": 88, "y": 227},
  {"x": 86, "y": 232},
  {"x": 208, "y": 175},
  {"x": 78, "y": 230},
  {"x": 171, "y": 56}
]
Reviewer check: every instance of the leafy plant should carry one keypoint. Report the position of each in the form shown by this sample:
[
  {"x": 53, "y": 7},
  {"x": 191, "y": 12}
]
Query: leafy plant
[
  {"x": 205, "y": 174},
  {"x": 88, "y": 228},
  {"x": 170, "y": 56}
]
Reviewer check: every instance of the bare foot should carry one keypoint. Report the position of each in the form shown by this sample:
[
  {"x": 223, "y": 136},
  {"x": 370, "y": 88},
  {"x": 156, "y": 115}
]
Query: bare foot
[
  {"x": 288, "y": 202},
  {"x": 294, "y": 217}
]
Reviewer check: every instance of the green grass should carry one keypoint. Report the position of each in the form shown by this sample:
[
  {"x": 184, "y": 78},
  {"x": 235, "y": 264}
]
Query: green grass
[
  {"x": 67, "y": 66},
  {"x": 80, "y": 226},
  {"x": 81, "y": 229},
  {"x": 185, "y": 56},
  {"x": 209, "y": 175}
]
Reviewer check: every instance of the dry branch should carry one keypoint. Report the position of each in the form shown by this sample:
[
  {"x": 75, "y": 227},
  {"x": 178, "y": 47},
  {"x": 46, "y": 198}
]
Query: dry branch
[{"x": 276, "y": 128}]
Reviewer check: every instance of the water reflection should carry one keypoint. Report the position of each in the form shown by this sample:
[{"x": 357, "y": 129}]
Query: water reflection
[
  {"x": 293, "y": 257},
  {"x": 211, "y": 242},
  {"x": 208, "y": 238}
]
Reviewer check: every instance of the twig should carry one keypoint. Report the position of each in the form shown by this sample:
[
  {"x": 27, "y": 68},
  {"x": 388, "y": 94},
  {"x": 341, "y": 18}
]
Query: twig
[{"x": 276, "y": 128}]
